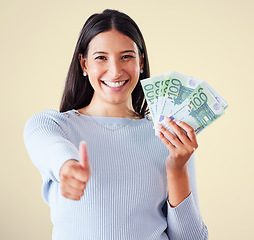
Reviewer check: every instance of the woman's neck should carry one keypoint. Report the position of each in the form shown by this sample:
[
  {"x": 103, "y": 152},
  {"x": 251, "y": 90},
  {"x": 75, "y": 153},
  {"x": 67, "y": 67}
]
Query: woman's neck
[{"x": 121, "y": 110}]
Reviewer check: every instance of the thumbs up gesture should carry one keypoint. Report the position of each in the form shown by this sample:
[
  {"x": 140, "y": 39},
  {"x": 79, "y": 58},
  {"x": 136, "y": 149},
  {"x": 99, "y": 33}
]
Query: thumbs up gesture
[{"x": 74, "y": 175}]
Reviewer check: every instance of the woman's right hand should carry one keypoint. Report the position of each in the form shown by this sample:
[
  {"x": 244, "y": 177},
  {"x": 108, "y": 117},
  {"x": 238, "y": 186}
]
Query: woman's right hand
[{"x": 74, "y": 175}]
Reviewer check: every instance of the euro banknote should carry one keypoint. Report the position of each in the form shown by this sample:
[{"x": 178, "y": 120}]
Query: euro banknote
[
  {"x": 199, "y": 110},
  {"x": 166, "y": 91},
  {"x": 148, "y": 86},
  {"x": 183, "y": 98},
  {"x": 179, "y": 87}
]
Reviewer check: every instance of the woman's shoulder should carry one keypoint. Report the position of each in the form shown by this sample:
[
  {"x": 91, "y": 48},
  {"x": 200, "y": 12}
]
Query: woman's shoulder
[
  {"x": 48, "y": 117},
  {"x": 147, "y": 120},
  {"x": 148, "y": 117},
  {"x": 48, "y": 114}
]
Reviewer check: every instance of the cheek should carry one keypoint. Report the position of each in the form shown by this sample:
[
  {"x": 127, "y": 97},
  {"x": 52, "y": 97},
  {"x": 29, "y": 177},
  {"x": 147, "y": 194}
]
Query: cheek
[
  {"x": 95, "y": 71},
  {"x": 133, "y": 68}
]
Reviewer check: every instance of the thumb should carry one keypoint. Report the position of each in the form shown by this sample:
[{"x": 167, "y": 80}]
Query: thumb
[{"x": 83, "y": 155}]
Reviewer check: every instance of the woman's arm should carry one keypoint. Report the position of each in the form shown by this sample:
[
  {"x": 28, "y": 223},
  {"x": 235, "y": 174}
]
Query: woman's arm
[
  {"x": 181, "y": 147},
  {"x": 47, "y": 141},
  {"x": 184, "y": 218}
]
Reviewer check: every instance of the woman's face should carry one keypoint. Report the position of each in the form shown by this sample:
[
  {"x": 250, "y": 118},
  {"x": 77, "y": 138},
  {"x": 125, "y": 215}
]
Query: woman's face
[{"x": 113, "y": 66}]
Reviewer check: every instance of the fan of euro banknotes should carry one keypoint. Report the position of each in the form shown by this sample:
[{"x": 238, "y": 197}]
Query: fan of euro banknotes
[{"x": 182, "y": 98}]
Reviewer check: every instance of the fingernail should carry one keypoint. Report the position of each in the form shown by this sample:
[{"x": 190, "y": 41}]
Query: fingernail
[
  {"x": 159, "y": 126},
  {"x": 168, "y": 119},
  {"x": 82, "y": 142}
]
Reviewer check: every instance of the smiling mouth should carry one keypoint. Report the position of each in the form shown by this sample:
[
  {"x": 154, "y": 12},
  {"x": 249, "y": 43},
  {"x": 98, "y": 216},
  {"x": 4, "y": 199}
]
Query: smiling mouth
[{"x": 114, "y": 84}]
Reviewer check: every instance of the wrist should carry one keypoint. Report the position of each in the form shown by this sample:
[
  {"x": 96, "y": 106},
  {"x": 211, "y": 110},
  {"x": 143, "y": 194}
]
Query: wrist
[
  {"x": 177, "y": 173},
  {"x": 178, "y": 186}
]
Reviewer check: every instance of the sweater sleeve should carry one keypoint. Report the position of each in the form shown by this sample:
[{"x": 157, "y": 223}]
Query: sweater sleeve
[
  {"x": 184, "y": 220},
  {"x": 47, "y": 143}
]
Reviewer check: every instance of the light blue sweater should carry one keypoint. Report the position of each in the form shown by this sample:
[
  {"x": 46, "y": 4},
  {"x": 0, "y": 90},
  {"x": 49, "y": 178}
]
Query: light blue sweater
[{"x": 126, "y": 196}]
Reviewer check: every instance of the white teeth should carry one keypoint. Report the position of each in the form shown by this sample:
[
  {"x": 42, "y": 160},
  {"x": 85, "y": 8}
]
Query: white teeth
[{"x": 115, "y": 84}]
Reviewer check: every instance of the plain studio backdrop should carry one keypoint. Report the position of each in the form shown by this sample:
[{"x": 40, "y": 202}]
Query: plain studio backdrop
[{"x": 211, "y": 40}]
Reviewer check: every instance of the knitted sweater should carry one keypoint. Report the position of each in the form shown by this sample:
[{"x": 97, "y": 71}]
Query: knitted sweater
[{"x": 126, "y": 195}]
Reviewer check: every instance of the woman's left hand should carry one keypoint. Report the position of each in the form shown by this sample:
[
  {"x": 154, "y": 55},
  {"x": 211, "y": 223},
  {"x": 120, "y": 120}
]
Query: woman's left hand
[{"x": 180, "y": 145}]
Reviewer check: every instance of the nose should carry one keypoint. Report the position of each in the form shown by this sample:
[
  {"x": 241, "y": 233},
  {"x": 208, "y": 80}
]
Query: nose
[{"x": 115, "y": 69}]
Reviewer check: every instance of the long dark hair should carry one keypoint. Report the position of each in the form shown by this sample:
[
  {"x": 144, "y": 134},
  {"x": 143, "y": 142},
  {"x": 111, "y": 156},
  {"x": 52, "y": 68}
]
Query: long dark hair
[{"x": 78, "y": 91}]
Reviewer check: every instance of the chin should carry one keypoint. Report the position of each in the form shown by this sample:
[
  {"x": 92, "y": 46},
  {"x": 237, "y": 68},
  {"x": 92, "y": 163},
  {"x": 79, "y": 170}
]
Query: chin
[{"x": 116, "y": 100}]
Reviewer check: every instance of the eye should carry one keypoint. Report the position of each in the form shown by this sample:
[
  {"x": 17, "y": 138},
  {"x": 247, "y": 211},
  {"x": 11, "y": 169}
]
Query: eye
[
  {"x": 127, "y": 57},
  {"x": 101, "y": 58}
]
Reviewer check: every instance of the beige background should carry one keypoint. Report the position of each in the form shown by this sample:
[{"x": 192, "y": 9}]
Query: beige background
[{"x": 211, "y": 40}]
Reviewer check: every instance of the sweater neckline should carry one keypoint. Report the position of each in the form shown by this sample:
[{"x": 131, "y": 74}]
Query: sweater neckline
[{"x": 111, "y": 123}]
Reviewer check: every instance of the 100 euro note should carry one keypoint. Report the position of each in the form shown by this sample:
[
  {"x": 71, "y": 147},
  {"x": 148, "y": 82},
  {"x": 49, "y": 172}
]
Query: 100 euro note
[
  {"x": 166, "y": 91},
  {"x": 153, "y": 88},
  {"x": 179, "y": 88},
  {"x": 158, "y": 85},
  {"x": 218, "y": 97},
  {"x": 199, "y": 110},
  {"x": 148, "y": 86}
]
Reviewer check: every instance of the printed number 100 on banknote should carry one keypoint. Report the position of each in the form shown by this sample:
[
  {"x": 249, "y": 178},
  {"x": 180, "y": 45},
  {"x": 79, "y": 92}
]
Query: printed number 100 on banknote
[
  {"x": 182, "y": 98},
  {"x": 199, "y": 109}
]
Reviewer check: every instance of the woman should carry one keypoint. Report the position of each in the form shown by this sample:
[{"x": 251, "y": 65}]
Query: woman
[{"x": 123, "y": 183}]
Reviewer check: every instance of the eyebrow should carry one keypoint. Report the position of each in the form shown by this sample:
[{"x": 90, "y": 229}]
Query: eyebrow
[
  {"x": 125, "y": 51},
  {"x": 100, "y": 52}
]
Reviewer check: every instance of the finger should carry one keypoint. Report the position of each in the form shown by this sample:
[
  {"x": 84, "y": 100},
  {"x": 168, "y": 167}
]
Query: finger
[
  {"x": 190, "y": 132},
  {"x": 178, "y": 131},
  {"x": 169, "y": 136},
  {"x": 166, "y": 142},
  {"x": 82, "y": 174},
  {"x": 72, "y": 188},
  {"x": 74, "y": 183},
  {"x": 70, "y": 196},
  {"x": 83, "y": 155},
  {"x": 72, "y": 169},
  {"x": 73, "y": 191}
]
